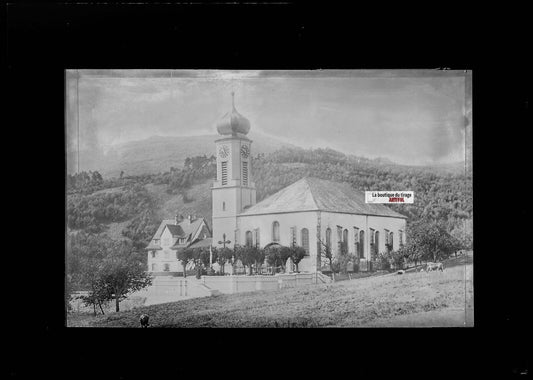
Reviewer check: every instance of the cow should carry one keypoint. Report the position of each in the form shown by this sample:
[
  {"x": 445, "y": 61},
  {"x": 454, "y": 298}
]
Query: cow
[
  {"x": 144, "y": 321},
  {"x": 435, "y": 266}
]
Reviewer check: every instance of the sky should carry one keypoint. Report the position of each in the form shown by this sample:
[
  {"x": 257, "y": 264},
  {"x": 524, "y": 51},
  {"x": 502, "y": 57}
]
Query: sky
[{"x": 414, "y": 117}]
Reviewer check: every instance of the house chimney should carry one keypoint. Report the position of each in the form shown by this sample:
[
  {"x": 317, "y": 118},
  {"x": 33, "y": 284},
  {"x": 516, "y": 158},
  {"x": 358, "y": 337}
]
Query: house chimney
[
  {"x": 179, "y": 218},
  {"x": 190, "y": 218}
]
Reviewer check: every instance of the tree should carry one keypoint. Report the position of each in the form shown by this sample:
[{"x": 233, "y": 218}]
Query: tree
[
  {"x": 343, "y": 258},
  {"x": 271, "y": 255},
  {"x": 204, "y": 255},
  {"x": 85, "y": 255},
  {"x": 223, "y": 256},
  {"x": 141, "y": 229},
  {"x": 99, "y": 294},
  {"x": 185, "y": 255},
  {"x": 277, "y": 256},
  {"x": 410, "y": 253},
  {"x": 259, "y": 258},
  {"x": 122, "y": 272},
  {"x": 251, "y": 256},
  {"x": 326, "y": 253},
  {"x": 429, "y": 240},
  {"x": 246, "y": 255},
  {"x": 462, "y": 231},
  {"x": 297, "y": 254},
  {"x": 284, "y": 253}
]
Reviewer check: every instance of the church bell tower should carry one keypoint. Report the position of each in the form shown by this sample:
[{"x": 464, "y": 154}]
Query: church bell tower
[{"x": 233, "y": 190}]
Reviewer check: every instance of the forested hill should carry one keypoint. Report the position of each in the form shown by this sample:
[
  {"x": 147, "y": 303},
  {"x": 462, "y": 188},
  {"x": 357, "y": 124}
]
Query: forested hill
[
  {"x": 140, "y": 202},
  {"x": 441, "y": 192}
]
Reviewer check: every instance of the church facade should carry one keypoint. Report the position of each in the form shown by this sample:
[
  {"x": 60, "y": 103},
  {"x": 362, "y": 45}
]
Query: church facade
[{"x": 312, "y": 213}]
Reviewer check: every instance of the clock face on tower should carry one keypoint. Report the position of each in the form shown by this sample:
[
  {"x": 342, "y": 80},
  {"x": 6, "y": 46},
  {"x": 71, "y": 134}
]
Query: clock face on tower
[
  {"x": 223, "y": 151},
  {"x": 245, "y": 151}
]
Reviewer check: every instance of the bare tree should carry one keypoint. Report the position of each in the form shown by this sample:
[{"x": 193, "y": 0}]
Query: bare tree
[{"x": 326, "y": 253}]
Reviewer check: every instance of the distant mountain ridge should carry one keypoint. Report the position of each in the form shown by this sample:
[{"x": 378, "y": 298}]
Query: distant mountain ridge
[{"x": 157, "y": 154}]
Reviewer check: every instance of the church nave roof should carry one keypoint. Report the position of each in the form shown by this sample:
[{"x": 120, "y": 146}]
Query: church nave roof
[{"x": 314, "y": 194}]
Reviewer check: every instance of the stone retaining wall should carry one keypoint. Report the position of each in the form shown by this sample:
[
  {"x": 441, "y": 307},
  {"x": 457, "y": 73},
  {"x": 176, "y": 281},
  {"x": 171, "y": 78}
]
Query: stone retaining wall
[{"x": 239, "y": 284}]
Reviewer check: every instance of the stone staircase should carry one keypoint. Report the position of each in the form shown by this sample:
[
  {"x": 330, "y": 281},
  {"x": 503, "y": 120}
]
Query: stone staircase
[{"x": 322, "y": 278}]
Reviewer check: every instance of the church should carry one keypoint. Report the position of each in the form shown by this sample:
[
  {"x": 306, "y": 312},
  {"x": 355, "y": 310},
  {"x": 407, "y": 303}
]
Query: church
[{"x": 312, "y": 213}]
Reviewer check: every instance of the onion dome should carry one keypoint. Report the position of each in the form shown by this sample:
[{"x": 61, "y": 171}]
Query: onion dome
[{"x": 233, "y": 123}]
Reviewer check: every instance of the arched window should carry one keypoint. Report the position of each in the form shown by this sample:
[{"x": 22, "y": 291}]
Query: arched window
[
  {"x": 356, "y": 241},
  {"x": 345, "y": 240},
  {"x": 305, "y": 240},
  {"x": 154, "y": 267},
  {"x": 376, "y": 242},
  {"x": 257, "y": 237},
  {"x": 153, "y": 254},
  {"x": 361, "y": 244},
  {"x": 275, "y": 231},
  {"x": 223, "y": 206},
  {"x": 293, "y": 236},
  {"x": 249, "y": 239},
  {"x": 328, "y": 238}
]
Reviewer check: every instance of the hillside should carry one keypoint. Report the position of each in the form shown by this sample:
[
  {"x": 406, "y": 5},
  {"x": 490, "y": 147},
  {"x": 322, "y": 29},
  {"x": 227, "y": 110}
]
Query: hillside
[
  {"x": 133, "y": 206},
  {"x": 158, "y": 154},
  {"x": 169, "y": 204},
  {"x": 166, "y": 205},
  {"x": 412, "y": 299}
]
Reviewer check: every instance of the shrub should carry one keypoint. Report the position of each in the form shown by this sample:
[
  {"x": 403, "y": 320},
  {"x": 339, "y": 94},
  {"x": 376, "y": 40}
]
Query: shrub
[{"x": 384, "y": 259}]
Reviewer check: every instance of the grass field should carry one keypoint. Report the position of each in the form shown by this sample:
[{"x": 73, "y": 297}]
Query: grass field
[{"x": 411, "y": 299}]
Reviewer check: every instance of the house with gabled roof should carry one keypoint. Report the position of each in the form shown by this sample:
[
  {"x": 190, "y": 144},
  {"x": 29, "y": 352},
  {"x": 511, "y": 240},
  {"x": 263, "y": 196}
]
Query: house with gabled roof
[{"x": 173, "y": 235}]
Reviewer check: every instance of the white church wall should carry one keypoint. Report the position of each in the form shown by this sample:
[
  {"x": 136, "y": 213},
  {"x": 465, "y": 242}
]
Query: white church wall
[
  {"x": 346, "y": 221},
  {"x": 308, "y": 220},
  {"x": 380, "y": 223},
  {"x": 299, "y": 220},
  {"x": 349, "y": 221}
]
